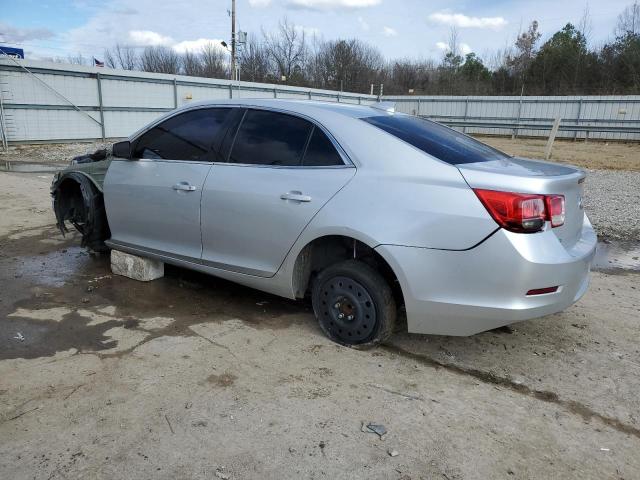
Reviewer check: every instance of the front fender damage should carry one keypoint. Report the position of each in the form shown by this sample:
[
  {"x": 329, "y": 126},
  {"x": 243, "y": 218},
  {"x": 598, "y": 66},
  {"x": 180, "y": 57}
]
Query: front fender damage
[{"x": 76, "y": 200}]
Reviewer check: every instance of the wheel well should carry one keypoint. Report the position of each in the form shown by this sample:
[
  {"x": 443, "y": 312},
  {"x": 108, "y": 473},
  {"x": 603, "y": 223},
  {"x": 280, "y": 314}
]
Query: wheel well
[
  {"x": 69, "y": 203},
  {"x": 76, "y": 200},
  {"x": 325, "y": 251}
]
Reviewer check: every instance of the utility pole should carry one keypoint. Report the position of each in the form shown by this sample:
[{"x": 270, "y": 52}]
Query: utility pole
[{"x": 233, "y": 39}]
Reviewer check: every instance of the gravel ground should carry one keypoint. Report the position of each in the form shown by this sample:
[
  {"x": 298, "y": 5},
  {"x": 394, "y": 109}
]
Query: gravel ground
[
  {"x": 612, "y": 196},
  {"x": 612, "y": 201},
  {"x": 50, "y": 153}
]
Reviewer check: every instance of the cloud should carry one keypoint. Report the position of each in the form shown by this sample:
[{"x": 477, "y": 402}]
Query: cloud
[
  {"x": 389, "y": 32},
  {"x": 463, "y": 48},
  {"x": 332, "y": 4},
  {"x": 259, "y": 3},
  {"x": 363, "y": 24},
  {"x": 463, "y": 21},
  {"x": 148, "y": 38},
  {"x": 11, "y": 34},
  {"x": 198, "y": 45}
]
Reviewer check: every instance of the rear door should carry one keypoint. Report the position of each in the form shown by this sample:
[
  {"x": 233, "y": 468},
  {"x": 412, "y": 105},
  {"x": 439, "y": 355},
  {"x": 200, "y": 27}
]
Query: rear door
[
  {"x": 153, "y": 200},
  {"x": 281, "y": 170}
]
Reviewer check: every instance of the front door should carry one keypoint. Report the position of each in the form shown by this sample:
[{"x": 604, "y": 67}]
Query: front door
[
  {"x": 280, "y": 172},
  {"x": 153, "y": 200}
]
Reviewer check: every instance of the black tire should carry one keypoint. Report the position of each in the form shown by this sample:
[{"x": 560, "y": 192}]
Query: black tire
[{"x": 354, "y": 304}]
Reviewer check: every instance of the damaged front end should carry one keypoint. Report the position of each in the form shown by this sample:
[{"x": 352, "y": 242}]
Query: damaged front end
[{"x": 77, "y": 199}]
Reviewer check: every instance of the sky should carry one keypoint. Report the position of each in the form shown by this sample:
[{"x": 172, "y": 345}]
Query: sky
[{"x": 399, "y": 28}]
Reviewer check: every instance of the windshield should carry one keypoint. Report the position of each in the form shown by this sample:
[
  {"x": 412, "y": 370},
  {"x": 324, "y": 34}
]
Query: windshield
[{"x": 437, "y": 140}]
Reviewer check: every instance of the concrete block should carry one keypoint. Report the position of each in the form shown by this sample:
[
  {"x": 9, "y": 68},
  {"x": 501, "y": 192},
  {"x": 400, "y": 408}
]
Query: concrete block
[{"x": 135, "y": 267}]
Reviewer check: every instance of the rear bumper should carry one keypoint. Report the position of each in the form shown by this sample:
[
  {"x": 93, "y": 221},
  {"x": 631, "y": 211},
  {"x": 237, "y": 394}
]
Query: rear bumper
[{"x": 466, "y": 292}]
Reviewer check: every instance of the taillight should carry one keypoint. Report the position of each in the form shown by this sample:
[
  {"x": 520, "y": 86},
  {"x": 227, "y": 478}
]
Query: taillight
[
  {"x": 522, "y": 212},
  {"x": 555, "y": 209}
]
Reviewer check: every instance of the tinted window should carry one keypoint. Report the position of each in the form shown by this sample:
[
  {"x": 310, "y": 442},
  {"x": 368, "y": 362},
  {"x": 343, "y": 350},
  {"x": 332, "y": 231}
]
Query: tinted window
[
  {"x": 270, "y": 138},
  {"x": 437, "y": 140},
  {"x": 321, "y": 151},
  {"x": 188, "y": 136}
]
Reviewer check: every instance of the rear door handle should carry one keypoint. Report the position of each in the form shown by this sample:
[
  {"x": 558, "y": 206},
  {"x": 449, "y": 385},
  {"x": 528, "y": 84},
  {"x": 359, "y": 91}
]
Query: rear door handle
[
  {"x": 184, "y": 186},
  {"x": 296, "y": 196}
]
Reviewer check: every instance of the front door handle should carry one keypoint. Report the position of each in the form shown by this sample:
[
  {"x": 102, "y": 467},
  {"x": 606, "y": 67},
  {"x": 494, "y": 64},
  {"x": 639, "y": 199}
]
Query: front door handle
[
  {"x": 296, "y": 196},
  {"x": 184, "y": 186}
]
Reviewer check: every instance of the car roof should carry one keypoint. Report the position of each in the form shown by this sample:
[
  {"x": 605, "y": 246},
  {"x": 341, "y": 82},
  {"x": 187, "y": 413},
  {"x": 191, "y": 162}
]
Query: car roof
[{"x": 305, "y": 107}]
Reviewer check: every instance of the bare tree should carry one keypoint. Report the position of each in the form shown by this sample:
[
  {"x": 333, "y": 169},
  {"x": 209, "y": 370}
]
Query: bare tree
[
  {"x": 78, "y": 59},
  {"x": 405, "y": 75},
  {"x": 123, "y": 57},
  {"x": 192, "y": 64},
  {"x": 287, "y": 51},
  {"x": 585, "y": 28},
  {"x": 629, "y": 21},
  {"x": 214, "y": 62},
  {"x": 160, "y": 60},
  {"x": 525, "y": 52},
  {"x": 451, "y": 62},
  {"x": 453, "y": 44},
  {"x": 348, "y": 65},
  {"x": 254, "y": 61}
]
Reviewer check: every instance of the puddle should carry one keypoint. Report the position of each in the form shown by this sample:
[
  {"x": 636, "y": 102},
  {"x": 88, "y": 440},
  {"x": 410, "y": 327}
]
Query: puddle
[
  {"x": 56, "y": 267},
  {"x": 60, "y": 298},
  {"x": 27, "y": 167},
  {"x": 617, "y": 256}
]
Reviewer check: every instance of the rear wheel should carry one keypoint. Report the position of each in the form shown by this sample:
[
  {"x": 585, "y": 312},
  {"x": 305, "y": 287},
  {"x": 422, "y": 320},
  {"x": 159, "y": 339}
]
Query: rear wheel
[{"x": 353, "y": 304}]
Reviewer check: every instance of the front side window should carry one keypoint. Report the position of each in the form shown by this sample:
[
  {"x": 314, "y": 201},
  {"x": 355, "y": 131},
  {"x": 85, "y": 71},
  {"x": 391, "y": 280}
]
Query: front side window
[
  {"x": 270, "y": 138},
  {"x": 188, "y": 136},
  {"x": 437, "y": 140}
]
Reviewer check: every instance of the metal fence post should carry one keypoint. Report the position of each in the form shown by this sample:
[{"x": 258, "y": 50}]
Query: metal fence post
[
  {"x": 175, "y": 93},
  {"x": 418, "y": 113},
  {"x": 514, "y": 134},
  {"x": 100, "y": 105},
  {"x": 575, "y": 134},
  {"x": 230, "y": 90},
  {"x": 466, "y": 109},
  {"x": 275, "y": 93}
]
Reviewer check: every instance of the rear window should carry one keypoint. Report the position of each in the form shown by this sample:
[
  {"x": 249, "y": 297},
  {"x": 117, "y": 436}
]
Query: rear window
[
  {"x": 437, "y": 140},
  {"x": 270, "y": 138}
]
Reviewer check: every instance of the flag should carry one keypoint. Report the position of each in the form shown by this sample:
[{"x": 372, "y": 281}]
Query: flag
[{"x": 97, "y": 63}]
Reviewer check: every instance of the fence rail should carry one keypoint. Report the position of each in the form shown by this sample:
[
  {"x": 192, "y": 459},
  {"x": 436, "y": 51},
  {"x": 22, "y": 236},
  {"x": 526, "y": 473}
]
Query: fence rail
[
  {"x": 583, "y": 117},
  {"x": 46, "y": 102}
]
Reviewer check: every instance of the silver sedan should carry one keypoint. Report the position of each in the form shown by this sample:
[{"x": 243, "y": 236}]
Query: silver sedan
[{"x": 364, "y": 209}]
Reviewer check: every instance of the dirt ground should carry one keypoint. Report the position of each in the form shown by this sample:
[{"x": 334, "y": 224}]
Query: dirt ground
[
  {"x": 591, "y": 155},
  {"x": 194, "y": 377}
]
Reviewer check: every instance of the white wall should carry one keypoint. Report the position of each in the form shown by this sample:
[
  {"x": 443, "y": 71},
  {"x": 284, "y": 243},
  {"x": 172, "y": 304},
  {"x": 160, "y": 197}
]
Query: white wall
[
  {"x": 130, "y": 100},
  {"x": 38, "y": 105}
]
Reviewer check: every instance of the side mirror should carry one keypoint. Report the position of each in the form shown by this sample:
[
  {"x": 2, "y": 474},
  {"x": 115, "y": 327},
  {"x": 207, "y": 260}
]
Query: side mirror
[{"x": 122, "y": 149}]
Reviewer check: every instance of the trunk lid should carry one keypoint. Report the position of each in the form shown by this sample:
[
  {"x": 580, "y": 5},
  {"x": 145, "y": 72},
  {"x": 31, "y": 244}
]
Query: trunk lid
[{"x": 522, "y": 175}]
